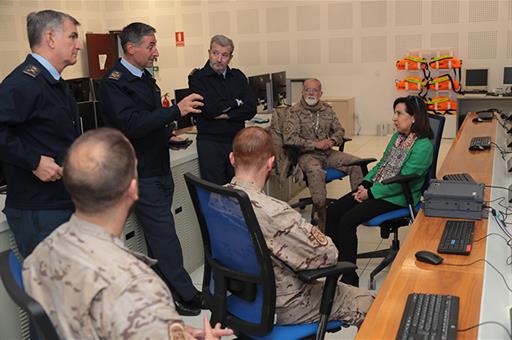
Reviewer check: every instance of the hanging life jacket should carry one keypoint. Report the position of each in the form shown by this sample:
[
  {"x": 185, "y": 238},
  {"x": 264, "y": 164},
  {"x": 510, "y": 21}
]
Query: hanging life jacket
[
  {"x": 410, "y": 84},
  {"x": 444, "y": 82},
  {"x": 411, "y": 63},
  {"x": 441, "y": 104},
  {"x": 445, "y": 62}
]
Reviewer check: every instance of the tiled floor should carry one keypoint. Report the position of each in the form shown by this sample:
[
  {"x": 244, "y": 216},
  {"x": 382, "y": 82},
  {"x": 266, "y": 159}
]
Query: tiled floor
[{"x": 369, "y": 238}]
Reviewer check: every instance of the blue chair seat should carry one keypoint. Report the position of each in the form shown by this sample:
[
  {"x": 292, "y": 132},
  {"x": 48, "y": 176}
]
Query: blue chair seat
[
  {"x": 399, "y": 213},
  {"x": 332, "y": 173}
]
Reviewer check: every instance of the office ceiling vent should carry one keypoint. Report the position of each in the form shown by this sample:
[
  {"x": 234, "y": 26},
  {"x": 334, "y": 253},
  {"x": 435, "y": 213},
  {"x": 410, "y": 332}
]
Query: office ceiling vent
[
  {"x": 445, "y": 12},
  {"x": 404, "y": 43},
  {"x": 445, "y": 41},
  {"x": 482, "y": 11},
  {"x": 339, "y": 15},
  {"x": 509, "y": 44},
  {"x": 341, "y": 50},
  {"x": 374, "y": 13},
  {"x": 374, "y": 49},
  {"x": 482, "y": 45},
  {"x": 408, "y": 13}
]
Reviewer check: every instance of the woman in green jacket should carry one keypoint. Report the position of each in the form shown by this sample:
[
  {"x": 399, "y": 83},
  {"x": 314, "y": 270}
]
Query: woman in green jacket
[{"x": 408, "y": 152}]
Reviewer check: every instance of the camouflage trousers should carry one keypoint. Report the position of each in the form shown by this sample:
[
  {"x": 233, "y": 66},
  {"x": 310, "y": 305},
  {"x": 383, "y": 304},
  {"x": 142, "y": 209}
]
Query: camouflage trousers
[
  {"x": 313, "y": 165},
  {"x": 350, "y": 305}
]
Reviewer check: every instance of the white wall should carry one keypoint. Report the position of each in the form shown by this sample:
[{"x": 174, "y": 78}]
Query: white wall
[{"x": 351, "y": 46}]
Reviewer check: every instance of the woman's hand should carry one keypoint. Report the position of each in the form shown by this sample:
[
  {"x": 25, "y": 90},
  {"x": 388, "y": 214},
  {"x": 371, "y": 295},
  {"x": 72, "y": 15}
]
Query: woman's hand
[{"x": 361, "y": 194}]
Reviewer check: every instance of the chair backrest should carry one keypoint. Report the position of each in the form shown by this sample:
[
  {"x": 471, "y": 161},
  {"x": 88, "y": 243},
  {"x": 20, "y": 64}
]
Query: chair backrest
[
  {"x": 10, "y": 273},
  {"x": 437, "y": 125},
  {"x": 238, "y": 283}
]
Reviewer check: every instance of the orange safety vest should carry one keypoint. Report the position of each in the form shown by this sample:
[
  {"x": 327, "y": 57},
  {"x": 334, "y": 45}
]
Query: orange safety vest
[
  {"x": 445, "y": 62},
  {"x": 441, "y": 104},
  {"x": 410, "y": 83},
  {"x": 444, "y": 82},
  {"x": 411, "y": 63}
]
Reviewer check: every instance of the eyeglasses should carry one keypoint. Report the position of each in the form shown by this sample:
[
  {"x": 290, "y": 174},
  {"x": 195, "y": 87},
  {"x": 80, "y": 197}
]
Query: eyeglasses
[
  {"x": 224, "y": 55},
  {"x": 311, "y": 90}
]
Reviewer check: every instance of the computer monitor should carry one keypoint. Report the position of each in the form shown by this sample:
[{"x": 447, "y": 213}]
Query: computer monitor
[
  {"x": 188, "y": 120},
  {"x": 279, "y": 88},
  {"x": 259, "y": 85},
  {"x": 476, "y": 79},
  {"x": 87, "y": 114},
  {"x": 507, "y": 76},
  {"x": 80, "y": 89}
]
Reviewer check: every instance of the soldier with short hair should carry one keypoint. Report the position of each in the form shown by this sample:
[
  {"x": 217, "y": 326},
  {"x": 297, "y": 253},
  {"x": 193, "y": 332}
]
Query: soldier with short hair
[
  {"x": 296, "y": 243},
  {"x": 88, "y": 282},
  {"x": 313, "y": 128}
]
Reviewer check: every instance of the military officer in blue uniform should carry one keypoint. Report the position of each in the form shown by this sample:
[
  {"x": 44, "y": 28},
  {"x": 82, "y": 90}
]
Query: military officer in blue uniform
[
  {"x": 38, "y": 122},
  {"x": 130, "y": 102},
  {"x": 228, "y": 103}
]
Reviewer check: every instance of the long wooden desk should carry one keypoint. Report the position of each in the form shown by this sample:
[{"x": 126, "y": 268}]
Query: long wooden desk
[{"x": 408, "y": 275}]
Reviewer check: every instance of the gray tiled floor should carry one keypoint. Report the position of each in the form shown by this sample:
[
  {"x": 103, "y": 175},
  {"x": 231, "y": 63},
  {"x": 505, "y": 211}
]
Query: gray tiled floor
[{"x": 369, "y": 238}]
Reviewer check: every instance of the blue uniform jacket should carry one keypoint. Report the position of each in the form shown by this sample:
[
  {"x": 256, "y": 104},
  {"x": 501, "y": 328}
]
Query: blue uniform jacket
[
  {"x": 38, "y": 116},
  {"x": 132, "y": 105},
  {"x": 220, "y": 96}
]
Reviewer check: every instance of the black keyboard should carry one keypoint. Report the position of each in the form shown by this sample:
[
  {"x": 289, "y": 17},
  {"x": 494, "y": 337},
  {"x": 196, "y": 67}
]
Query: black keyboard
[
  {"x": 480, "y": 143},
  {"x": 429, "y": 316},
  {"x": 462, "y": 177},
  {"x": 457, "y": 237}
]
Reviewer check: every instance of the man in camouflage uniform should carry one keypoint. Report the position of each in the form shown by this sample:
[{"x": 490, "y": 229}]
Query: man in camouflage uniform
[
  {"x": 313, "y": 128},
  {"x": 88, "y": 282},
  {"x": 291, "y": 239}
]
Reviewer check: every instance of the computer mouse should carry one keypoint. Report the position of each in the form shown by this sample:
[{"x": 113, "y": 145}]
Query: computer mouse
[{"x": 428, "y": 257}]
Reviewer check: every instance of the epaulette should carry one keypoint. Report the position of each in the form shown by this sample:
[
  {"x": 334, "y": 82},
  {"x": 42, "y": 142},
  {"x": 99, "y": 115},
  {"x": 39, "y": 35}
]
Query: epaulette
[
  {"x": 193, "y": 71},
  {"x": 115, "y": 75},
  {"x": 32, "y": 70}
]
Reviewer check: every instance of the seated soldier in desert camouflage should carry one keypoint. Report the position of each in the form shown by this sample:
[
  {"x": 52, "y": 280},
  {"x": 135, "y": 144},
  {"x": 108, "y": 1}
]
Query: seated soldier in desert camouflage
[
  {"x": 91, "y": 285},
  {"x": 291, "y": 239},
  {"x": 313, "y": 128}
]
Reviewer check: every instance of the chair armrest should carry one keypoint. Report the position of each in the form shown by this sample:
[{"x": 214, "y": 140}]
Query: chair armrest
[
  {"x": 336, "y": 270},
  {"x": 363, "y": 163},
  {"x": 405, "y": 182},
  {"x": 401, "y": 179}
]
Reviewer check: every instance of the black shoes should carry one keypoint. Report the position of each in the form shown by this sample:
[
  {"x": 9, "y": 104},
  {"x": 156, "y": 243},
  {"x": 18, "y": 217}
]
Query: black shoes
[{"x": 192, "y": 307}]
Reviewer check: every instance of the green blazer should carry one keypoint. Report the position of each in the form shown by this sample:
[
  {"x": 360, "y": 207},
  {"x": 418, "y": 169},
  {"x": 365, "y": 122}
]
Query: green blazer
[{"x": 418, "y": 161}]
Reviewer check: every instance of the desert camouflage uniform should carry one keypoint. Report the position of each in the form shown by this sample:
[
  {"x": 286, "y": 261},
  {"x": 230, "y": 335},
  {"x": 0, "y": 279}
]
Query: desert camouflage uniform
[
  {"x": 93, "y": 287},
  {"x": 304, "y": 126},
  {"x": 301, "y": 246}
]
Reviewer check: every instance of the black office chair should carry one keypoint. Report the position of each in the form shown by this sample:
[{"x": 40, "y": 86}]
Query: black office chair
[
  {"x": 238, "y": 282},
  {"x": 10, "y": 273},
  {"x": 390, "y": 222}
]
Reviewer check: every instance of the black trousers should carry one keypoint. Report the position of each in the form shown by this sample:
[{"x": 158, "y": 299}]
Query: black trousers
[
  {"x": 343, "y": 218},
  {"x": 214, "y": 162}
]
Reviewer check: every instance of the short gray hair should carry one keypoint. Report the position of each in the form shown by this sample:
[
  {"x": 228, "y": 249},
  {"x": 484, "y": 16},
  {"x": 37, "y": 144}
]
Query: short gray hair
[
  {"x": 223, "y": 41},
  {"x": 134, "y": 33},
  {"x": 39, "y": 22},
  {"x": 312, "y": 79}
]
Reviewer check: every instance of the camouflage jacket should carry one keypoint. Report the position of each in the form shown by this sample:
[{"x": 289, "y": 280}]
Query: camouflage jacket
[
  {"x": 296, "y": 243},
  {"x": 93, "y": 287},
  {"x": 306, "y": 124}
]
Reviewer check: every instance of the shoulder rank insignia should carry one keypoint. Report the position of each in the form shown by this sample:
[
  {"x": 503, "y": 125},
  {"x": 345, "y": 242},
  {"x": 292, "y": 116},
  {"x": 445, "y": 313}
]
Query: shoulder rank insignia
[
  {"x": 115, "y": 75},
  {"x": 193, "y": 71},
  {"x": 31, "y": 70}
]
